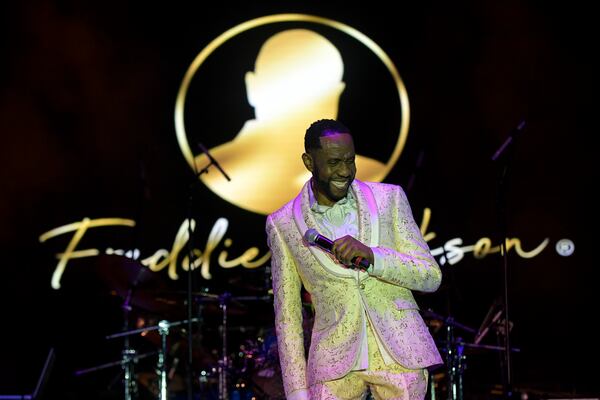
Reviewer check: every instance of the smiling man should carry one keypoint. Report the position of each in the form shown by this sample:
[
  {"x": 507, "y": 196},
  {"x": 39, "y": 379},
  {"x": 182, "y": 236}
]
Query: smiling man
[{"x": 368, "y": 334}]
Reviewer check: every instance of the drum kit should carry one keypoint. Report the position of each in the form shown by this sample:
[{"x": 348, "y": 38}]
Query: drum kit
[
  {"x": 448, "y": 382},
  {"x": 156, "y": 361},
  {"x": 237, "y": 361}
]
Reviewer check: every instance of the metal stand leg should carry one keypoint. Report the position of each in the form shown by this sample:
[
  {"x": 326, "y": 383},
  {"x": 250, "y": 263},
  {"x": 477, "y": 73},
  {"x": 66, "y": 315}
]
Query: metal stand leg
[
  {"x": 163, "y": 330},
  {"x": 431, "y": 387},
  {"x": 128, "y": 356},
  {"x": 224, "y": 362},
  {"x": 455, "y": 365},
  {"x": 129, "y": 381}
]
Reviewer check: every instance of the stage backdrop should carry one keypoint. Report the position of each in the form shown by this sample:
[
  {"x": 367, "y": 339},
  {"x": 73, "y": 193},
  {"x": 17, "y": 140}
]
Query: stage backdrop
[{"x": 481, "y": 112}]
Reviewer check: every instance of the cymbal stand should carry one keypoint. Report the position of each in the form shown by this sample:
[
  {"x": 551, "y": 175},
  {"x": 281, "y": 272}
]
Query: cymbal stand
[
  {"x": 163, "y": 330},
  {"x": 112, "y": 364},
  {"x": 503, "y": 158},
  {"x": 223, "y": 369},
  {"x": 224, "y": 361},
  {"x": 455, "y": 358},
  {"x": 128, "y": 355},
  {"x": 454, "y": 355},
  {"x": 455, "y": 364}
]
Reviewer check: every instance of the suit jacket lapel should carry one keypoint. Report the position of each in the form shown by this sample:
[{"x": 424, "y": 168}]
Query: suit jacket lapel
[
  {"x": 368, "y": 224},
  {"x": 368, "y": 215},
  {"x": 304, "y": 220}
]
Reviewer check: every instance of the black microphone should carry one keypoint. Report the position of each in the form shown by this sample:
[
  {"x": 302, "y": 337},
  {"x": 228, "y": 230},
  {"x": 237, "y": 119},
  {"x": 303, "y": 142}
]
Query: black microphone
[
  {"x": 212, "y": 160},
  {"x": 314, "y": 238},
  {"x": 513, "y": 136}
]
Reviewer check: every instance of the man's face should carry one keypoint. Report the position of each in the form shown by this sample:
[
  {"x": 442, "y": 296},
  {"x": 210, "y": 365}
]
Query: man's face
[{"x": 332, "y": 166}]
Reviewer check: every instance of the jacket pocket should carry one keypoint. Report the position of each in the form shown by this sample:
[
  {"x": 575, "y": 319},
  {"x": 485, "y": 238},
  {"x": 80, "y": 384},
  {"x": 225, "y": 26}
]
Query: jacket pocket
[
  {"x": 325, "y": 320},
  {"x": 406, "y": 304}
]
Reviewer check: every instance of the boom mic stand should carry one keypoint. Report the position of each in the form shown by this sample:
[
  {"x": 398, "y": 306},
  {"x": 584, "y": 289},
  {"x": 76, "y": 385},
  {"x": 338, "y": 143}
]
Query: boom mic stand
[
  {"x": 191, "y": 259},
  {"x": 128, "y": 353},
  {"x": 503, "y": 156},
  {"x": 129, "y": 382}
]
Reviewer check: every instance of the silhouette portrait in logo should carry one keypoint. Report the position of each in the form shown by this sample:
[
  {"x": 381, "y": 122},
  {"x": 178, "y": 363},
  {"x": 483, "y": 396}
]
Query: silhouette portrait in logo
[{"x": 297, "y": 79}]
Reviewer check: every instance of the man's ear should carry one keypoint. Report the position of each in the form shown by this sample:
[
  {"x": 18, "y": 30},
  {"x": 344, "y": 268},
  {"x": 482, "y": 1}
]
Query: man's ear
[{"x": 308, "y": 161}]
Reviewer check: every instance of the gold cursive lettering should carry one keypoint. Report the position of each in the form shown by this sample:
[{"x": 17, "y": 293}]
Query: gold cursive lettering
[
  {"x": 80, "y": 228},
  {"x": 484, "y": 247},
  {"x": 451, "y": 252},
  {"x": 425, "y": 224},
  {"x": 245, "y": 259}
]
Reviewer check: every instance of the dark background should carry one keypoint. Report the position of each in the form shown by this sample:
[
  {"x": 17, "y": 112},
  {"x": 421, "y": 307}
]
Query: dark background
[{"x": 87, "y": 102}]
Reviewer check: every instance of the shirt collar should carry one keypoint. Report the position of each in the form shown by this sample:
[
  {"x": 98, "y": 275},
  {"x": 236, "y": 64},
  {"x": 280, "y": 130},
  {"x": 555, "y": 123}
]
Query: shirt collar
[{"x": 319, "y": 208}]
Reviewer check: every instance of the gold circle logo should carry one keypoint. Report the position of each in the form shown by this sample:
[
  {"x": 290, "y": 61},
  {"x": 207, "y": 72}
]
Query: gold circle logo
[{"x": 297, "y": 79}]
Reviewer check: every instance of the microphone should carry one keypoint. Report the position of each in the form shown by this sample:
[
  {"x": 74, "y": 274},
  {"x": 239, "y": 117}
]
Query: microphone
[
  {"x": 314, "y": 238},
  {"x": 513, "y": 136},
  {"x": 212, "y": 160}
]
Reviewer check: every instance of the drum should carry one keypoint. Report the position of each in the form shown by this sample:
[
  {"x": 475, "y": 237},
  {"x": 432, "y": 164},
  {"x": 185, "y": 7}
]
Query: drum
[
  {"x": 261, "y": 358},
  {"x": 261, "y": 364}
]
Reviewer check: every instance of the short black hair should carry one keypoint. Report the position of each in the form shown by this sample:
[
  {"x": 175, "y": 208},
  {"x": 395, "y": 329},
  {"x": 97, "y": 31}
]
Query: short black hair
[{"x": 320, "y": 128}]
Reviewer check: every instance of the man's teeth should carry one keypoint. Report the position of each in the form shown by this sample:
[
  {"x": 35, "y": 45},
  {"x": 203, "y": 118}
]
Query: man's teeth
[{"x": 340, "y": 185}]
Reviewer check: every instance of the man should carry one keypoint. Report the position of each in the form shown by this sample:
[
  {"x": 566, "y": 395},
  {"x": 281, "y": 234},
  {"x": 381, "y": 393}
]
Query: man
[{"x": 368, "y": 333}]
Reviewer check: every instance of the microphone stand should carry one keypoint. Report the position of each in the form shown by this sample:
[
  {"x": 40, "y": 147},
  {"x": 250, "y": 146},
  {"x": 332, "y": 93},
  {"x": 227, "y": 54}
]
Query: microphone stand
[
  {"x": 128, "y": 353},
  {"x": 190, "y": 248},
  {"x": 129, "y": 382},
  {"x": 212, "y": 162},
  {"x": 191, "y": 259},
  {"x": 503, "y": 157},
  {"x": 454, "y": 349}
]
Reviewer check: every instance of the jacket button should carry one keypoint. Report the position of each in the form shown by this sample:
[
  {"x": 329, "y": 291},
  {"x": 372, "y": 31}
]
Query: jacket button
[{"x": 362, "y": 286}]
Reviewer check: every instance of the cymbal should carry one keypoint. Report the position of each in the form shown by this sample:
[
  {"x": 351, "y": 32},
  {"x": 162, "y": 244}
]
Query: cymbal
[
  {"x": 474, "y": 348},
  {"x": 133, "y": 282},
  {"x": 247, "y": 285},
  {"x": 174, "y": 304},
  {"x": 443, "y": 320},
  {"x": 210, "y": 303},
  {"x": 122, "y": 273},
  {"x": 177, "y": 341}
]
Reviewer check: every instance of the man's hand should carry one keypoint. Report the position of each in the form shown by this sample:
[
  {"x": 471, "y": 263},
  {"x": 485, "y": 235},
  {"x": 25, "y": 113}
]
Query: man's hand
[{"x": 346, "y": 248}]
